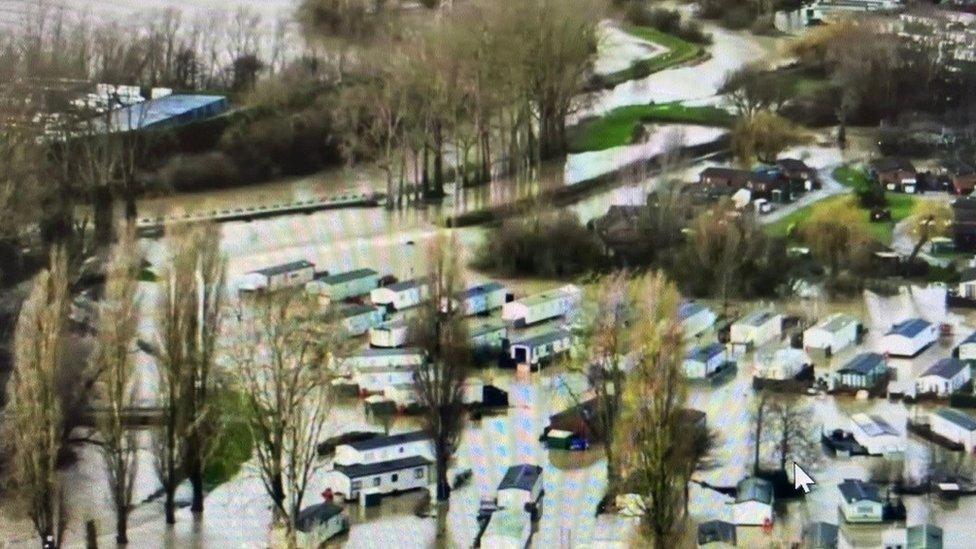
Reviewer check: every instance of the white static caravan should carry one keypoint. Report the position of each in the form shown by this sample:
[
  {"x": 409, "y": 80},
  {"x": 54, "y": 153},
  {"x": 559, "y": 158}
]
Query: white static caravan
[
  {"x": 877, "y": 435},
  {"x": 909, "y": 338},
  {"x": 407, "y": 358},
  {"x": 340, "y": 286},
  {"x": 487, "y": 336},
  {"x": 286, "y": 275},
  {"x": 781, "y": 364},
  {"x": 481, "y": 298},
  {"x": 358, "y": 319},
  {"x": 861, "y": 501},
  {"x": 319, "y": 523},
  {"x": 384, "y": 448},
  {"x": 944, "y": 377},
  {"x": 521, "y": 488},
  {"x": 753, "y": 502},
  {"x": 401, "y": 295},
  {"x": 832, "y": 334},
  {"x": 540, "y": 348},
  {"x": 967, "y": 348},
  {"x": 392, "y": 333},
  {"x": 757, "y": 329},
  {"x": 695, "y": 318},
  {"x": 507, "y": 529},
  {"x": 701, "y": 362},
  {"x": 955, "y": 425},
  {"x": 384, "y": 477},
  {"x": 375, "y": 381},
  {"x": 544, "y": 306}
]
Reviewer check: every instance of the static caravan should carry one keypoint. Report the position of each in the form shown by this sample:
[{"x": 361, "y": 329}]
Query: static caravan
[
  {"x": 488, "y": 337},
  {"x": 392, "y": 333},
  {"x": 541, "y": 348},
  {"x": 716, "y": 534},
  {"x": 820, "y": 535},
  {"x": 757, "y": 329},
  {"x": 909, "y": 338},
  {"x": 384, "y": 477},
  {"x": 877, "y": 435},
  {"x": 781, "y": 364},
  {"x": 944, "y": 377},
  {"x": 373, "y": 381},
  {"x": 521, "y": 489},
  {"x": 864, "y": 371},
  {"x": 340, "y": 286},
  {"x": 924, "y": 536},
  {"x": 753, "y": 502},
  {"x": 286, "y": 275},
  {"x": 402, "y": 394},
  {"x": 860, "y": 501},
  {"x": 358, "y": 319},
  {"x": 544, "y": 306},
  {"x": 695, "y": 318},
  {"x": 832, "y": 334},
  {"x": 967, "y": 348},
  {"x": 319, "y": 523},
  {"x": 401, "y": 295},
  {"x": 407, "y": 357},
  {"x": 507, "y": 529},
  {"x": 481, "y": 298},
  {"x": 701, "y": 362},
  {"x": 955, "y": 425},
  {"x": 384, "y": 448}
]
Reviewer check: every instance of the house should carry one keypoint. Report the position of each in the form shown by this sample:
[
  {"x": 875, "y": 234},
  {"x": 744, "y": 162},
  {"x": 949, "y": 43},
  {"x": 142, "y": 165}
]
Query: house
[
  {"x": 487, "y": 337},
  {"x": 865, "y": 371},
  {"x": 967, "y": 284},
  {"x": 396, "y": 475},
  {"x": 962, "y": 177},
  {"x": 401, "y": 295},
  {"x": 544, "y": 306},
  {"x": 723, "y": 177},
  {"x": 877, "y": 435},
  {"x": 831, "y": 334},
  {"x": 781, "y": 364},
  {"x": 286, "y": 275},
  {"x": 964, "y": 223},
  {"x": 757, "y": 329},
  {"x": 540, "y": 348},
  {"x": 407, "y": 358},
  {"x": 820, "y": 535},
  {"x": 923, "y": 536},
  {"x": 385, "y": 448},
  {"x": 716, "y": 533},
  {"x": 860, "y": 501},
  {"x": 798, "y": 170},
  {"x": 341, "y": 286},
  {"x": 392, "y": 333},
  {"x": 319, "y": 523},
  {"x": 507, "y": 529},
  {"x": 695, "y": 318},
  {"x": 701, "y": 362},
  {"x": 944, "y": 377},
  {"x": 966, "y": 350},
  {"x": 753, "y": 502},
  {"x": 895, "y": 174},
  {"x": 358, "y": 319},
  {"x": 955, "y": 425},
  {"x": 521, "y": 489},
  {"x": 481, "y": 299},
  {"x": 769, "y": 185},
  {"x": 909, "y": 338}
]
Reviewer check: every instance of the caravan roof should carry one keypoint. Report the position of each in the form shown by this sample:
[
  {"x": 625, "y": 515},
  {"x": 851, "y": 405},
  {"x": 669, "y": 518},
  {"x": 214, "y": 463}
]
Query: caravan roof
[
  {"x": 946, "y": 368},
  {"x": 339, "y": 278},
  {"x": 285, "y": 268},
  {"x": 873, "y": 425},
  {"x": 392, "y": 440},
  {"x": 521, "y": 477},
  {"x": 909, "y": 328}
]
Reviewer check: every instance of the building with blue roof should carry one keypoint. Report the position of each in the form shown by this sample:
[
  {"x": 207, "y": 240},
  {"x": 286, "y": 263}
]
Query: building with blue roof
[
  {"x": 481, "y": 299},
  {"x": 943, "y": 378},
  {"x": 695, "y": 318},
  {"x": 860, "y": 501},
  {"x": 168, "y": 111},
  {"x": 865, "y": 371},
  {"x": 703, "y": 361},
  {"x": 521, "y": 489},
  {"x": 956, "y": 426},
  {"x": 966, "y": 350},
  {"x": 542, "y": 347},
  {"x": 909, "y": 338}
]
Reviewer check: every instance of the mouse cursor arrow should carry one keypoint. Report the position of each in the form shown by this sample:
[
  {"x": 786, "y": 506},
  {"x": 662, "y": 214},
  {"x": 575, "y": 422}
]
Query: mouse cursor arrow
[{"x": 801, "y": 479}]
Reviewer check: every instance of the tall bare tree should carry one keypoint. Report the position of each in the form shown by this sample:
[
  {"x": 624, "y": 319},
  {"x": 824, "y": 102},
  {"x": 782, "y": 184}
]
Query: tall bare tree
[
  {"x": 115, "y": 367},
  {"x": 34, "y": 418},
  {"x": 440, "y": 330}
]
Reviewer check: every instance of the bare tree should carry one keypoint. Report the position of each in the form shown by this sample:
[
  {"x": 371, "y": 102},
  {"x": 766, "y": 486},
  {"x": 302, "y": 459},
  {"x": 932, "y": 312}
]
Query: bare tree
[
  {"x": 440, "y": 330},
  {"x": 795, "y": 438},
  {"x": 34, "y": 418},
  {"x": 113, "y": 360},
  {"x": 760, "y": 413},
  {"x": 278, "y": 358}
]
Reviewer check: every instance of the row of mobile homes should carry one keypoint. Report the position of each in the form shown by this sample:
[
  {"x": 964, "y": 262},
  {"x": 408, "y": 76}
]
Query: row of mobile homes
[
  {"x": 967, "y": 348},
  {"x": 757, "y": 329},
  {"x": 341, "y": 286},
  {"x": 956, "y": 426},
  {"x": 481, "y": 298},
  {"x": 703, "y": 361},
  {"x": 487, "y": 338},
  {"x": 860, "y": 502},
  {"x": 909, "y": 338},
  {"x": 538, "y": 349},
  {"x": 877, "y": 435},
  {"x": 401, "y": 295},
  {"x": 286, "y": 275},
  {"x": 358, "y": 319},
  {"x": 544, "y": 306},
  {"x": 865, "y": 371},
  {"x": 407, "y": 358},
  {"x": 392, "y": 333},
  {"x": 832, "y": 334},
  {"x": 382, "y": 465},
  {"x": 695, "y": 318},
  {"x": 753, "y": 502},
  {"x": 943, "y": 378}
]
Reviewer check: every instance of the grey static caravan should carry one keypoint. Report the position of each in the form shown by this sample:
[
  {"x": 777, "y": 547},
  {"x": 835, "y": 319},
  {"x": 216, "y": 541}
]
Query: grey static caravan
[
  {"x": 407, "y": 357},
  {"x": 392, "y": 333},
  {"x": 487, "y": 337},
  {"x": 358, "y": 319},
  {"x": 521, "y": 489},
  {"x": 286, "y": 275},
  {"x": 401, "y": 295},
  {"x": 541, "y": 348},
  {"x": 340, "y": 286},
  {"x": 481, "y": 298},
  {"x": 544, "y": 306}
]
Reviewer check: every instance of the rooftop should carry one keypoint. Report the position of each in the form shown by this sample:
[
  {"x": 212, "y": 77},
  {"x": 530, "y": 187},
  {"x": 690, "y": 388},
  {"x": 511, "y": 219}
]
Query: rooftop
[
  {"x": 836, "y": 322},
  {"x": 285, "y": 268},
  {"x": 392, "y": 440},
  {"x": 946, "y": 368},
  {"x": 792, "y": 164},
  {"x": 543, "y": 338},
  {"x": 909, "y": 328},
  {"x": 754, "y": 489},
  {"x": 873, "y": 425},
  {"x": 365, "y": 353},
  {"x": 521, "y": 477},
  {"x": 864, "y": 364},
  {"x": 313, "y": 515},
  {"x": 370, "y": 469},
  {"x": 356, "y": 310},
  {"x": 716, "y": 530},
  {"x": 408, "y": 284},
  {"x": 544, "y": 297},
  {"x": 757, "y": 318},
  {"x": 157, "y": 111},
  {"x": 339, "y": 278},
  {"x": 689, "y": 309},
  {"x": 483, "y": 289},
  {"x": 854, "y": 490},
  {"x": 704, "y": 353},
  {"x": 924, "y": 536},
  {"x": 962, "y": 419},
  {"x": 486, "y": 327}
]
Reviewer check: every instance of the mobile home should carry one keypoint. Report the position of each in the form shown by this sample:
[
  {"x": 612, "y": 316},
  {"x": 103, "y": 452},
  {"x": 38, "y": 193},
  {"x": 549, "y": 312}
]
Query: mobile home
[
  {"x": 358, "y": 319},
  {"x": 481, "y": 298},
  {"x": 377, "y": 380},
  {"x": 955, "y": 425},
  {"x": 401, "y": 295},
  {"x": 392, "y": 333},
  {"x": 701, "y": 362},
  {"x": 384, "y": 448},
  {"x": 541, "y": 348},
  {"x": 781, "y": 364},
  {"x": 385, "y": 477},
  {"x": 877, "y": 435},
  {"x": 340, "y": 286},
  {"x": 860, "y": 501},
  {"x": 507, "y": 529},
  {"x": 487, "y": 337},
  {"x": 716, "y": 534},
  {"x": 319, "y": 523},
  {"x": 943, "y": 378},
  {"x": 753, "y": 502},
  {"x": 407, "y": 357},
  {"x": 832, "y": 334},
  {"x": 909, "y": 338},
  {"x": 695, "y": 318},
  {"x": 757, "y": 329},
  {"x": 865, "y": 371},
  {"x": 286, "y": 275},
  {"x": 967, "y": 348},
  {"x": 521, "y": 489},
  {"x": 544, "y": 306}
]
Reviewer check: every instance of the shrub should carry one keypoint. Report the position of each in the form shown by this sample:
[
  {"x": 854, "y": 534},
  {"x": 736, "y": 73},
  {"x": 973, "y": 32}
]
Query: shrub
[
  {"x": 199, "y": 171},
  {"x": 551, "y": 245},
  {"x": 666, "y": 21},
  {"x": 234, "y": 444}
]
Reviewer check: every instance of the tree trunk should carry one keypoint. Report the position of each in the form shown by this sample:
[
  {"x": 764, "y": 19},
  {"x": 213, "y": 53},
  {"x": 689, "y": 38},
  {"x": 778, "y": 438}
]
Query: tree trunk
[
  {"x": 443, "y": 486},
  {"x": 170, "y": 503},
  {"x": 102, "y": 206},
  {"x": 196, "y": 480},
  {"x": 759, "y": 427},
  {"x": 122, "y": 526},
  {"x": 438, "y": 160},
  {"x": 425, "y": 175}
]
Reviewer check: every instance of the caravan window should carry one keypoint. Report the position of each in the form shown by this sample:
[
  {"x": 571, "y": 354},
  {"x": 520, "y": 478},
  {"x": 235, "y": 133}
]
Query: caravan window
[
  {"x": 394, "y": 477},
  {"x": 418, "y": 472},
  {"x": 376, "y": 481},
  {"x": 356, "y": 485}
]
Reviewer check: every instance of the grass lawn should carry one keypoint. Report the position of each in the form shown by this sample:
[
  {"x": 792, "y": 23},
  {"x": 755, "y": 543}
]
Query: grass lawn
[
  {"x": 618, "y": 126},
  {"x": 679, "y": 51},
  {"x": 852, "y": 177},
  {"x": 234, "y": 444},
  {"x": 900, "y": 204}
]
